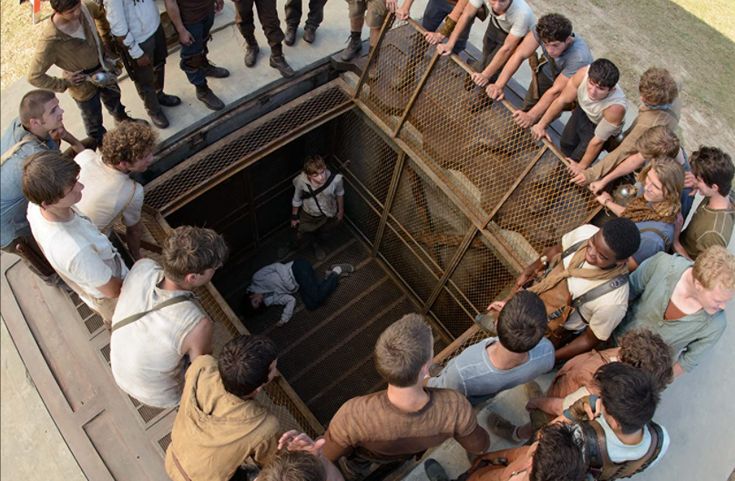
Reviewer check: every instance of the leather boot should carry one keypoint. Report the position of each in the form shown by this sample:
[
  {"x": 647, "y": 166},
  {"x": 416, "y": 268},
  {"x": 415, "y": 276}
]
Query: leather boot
[
  {"x": 208, "y": 98},
  {"x": 278, "y": 62},
  {"x": 211, "y": 70},
  {"x": 159, "y": 119},
  {"x": 290, "y": 37},
  {"x": 309, "y": 34},
  {"x": 168, "y": 100},
  {"x": 251, "y": 53},
  {"x": 354, "y": 46}
]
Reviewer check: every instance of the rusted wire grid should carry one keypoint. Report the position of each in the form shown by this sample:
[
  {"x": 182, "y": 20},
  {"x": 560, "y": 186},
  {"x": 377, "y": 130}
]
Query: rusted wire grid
[{"x": 284, "y": 402}]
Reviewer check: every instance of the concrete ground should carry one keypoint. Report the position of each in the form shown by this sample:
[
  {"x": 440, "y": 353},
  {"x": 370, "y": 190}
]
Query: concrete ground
[{"x": 696, "y": 410}]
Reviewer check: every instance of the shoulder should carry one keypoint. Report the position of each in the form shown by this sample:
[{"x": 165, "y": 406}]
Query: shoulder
[
  {"x": 142, "y": 271},
  {"x": 300, "y": 180},
  {"x": 449, "y": 400},
  {"x": 582, "y": 232}
]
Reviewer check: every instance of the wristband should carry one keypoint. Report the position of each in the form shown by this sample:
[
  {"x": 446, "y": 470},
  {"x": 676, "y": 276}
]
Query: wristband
[{"x": 447, "y": 27}]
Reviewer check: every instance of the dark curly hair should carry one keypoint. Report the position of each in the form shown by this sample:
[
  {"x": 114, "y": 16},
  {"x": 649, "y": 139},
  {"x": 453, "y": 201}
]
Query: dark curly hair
[
  {"x": 628, "y": 395},
  {"x": 715, "y": 167},
  {"x": 604, "y": 73},
  {"x": 244, "y": 363},
  {"x": 559, "y": 454},
  {"x": 128, "y": 142},
  {"x": 554, "y": 27},
  {"x": 522, "y": 322},
  {"x": 646, "y": 350},
  {"x": 658, "y": 87}
]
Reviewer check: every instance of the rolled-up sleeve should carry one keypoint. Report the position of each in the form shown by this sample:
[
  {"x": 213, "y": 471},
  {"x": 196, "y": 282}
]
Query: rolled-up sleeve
[
  {"x": 693, "y": 353},
  {"x": 119, "y": 26}
]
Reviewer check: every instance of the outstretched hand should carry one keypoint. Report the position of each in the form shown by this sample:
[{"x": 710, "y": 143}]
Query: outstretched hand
[
  {"x": 296, "y": 441},
  {"x": 434, "y": 38}
]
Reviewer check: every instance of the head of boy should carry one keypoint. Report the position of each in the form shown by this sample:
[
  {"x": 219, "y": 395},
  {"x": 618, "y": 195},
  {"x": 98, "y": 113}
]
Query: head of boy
[
  {"x": 602, "y": 77},
  {"x": 315, "y": 170},
  {"x": 663, "y": 181},
  {"x": 404, "y": 351},
  {"x": 294, "y": 466},
  {"x": 657, "y": 87},
  {"x": 69, "y": 10},
  {"x": 648, "y": 352},
  {"x": 253, "y": 304},
  {"x": 522, "y": 322},
  {"x": 659, "y": 141},
  {"x": 611, "y": 246},
  {"x": 714, "y": 278},
  {"x": 129, "y": 147},
  {"x": 559, "y": 454},
  {"x": 246, "y": 364},
  {"x": 191, "y": 255},
  {"x": 40, "y": 112},
  {"x": 555, "y": 32},
  {"x": 51, "y": 180},
  {"x": 713, "y": 170},
  {"x": 629, "y": 396}
]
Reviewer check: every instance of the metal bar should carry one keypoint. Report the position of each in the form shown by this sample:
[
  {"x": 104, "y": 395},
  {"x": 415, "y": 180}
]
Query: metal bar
[
  {"x": 414, "y": 246},
  {"x": 374, "y": 52},
  {"x": 515, "y": 185},
  {"x": 461, "y": 250},
  {"x": 356, "y": 182},
  {"x": 390, "y": 196},
  {"x": 416, "y": 93}
]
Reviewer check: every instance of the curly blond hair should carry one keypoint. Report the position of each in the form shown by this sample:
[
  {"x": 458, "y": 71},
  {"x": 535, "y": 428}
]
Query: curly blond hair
[
  {"x": 192, "y": 250},
  {"x": 129, "y": 142},
  {"x": 658, "y": 87},
  {"x": 715, "y": 267}
]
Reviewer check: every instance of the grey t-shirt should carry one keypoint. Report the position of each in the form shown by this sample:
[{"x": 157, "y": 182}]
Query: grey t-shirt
[
  {"x": 518, "y": 20},
  {"x": 473, "y": 374},
  {"x": 651, "y": 242},
  {"x": 576, "y": 56}
]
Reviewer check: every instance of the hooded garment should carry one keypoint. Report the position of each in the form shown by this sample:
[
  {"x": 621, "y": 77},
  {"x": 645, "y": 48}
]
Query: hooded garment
[{"x": 215, "y": 431}]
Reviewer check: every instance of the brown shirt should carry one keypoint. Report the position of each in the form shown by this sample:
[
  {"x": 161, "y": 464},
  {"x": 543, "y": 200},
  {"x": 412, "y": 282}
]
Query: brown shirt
[
  {"x": 72, "y": 54},
  {"x": 708, "y": 227},
  {"x": 214, "y": 431},
  {"x": 644, "y": 121},
  {"x": 373, "y": 428},
  {"x": 579, "y": 371}
]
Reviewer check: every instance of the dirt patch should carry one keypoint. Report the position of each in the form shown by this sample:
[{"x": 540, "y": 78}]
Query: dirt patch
[
  {"x": 638, "y": 35},
  {"x": 18, "y": 34}
]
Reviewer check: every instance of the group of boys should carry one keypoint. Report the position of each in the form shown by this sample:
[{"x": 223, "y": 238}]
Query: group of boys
[{"x": 87, "y": 38}]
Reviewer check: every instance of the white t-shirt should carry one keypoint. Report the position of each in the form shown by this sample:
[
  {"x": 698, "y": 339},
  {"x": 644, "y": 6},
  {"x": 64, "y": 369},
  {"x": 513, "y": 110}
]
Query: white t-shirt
[
  {"x": 77, "y": 250},
  {"x": 146, "y": 357},
  {"x": 604, "y": 313},
  {"x": 518, "y": 20},
  {"x": 620, "y": 452},
  {"x": 327, "y": 198},
  {"x": 108, "y": 193}
]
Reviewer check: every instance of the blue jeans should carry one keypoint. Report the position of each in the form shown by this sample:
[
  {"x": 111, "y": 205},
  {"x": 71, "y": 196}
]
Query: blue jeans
[
  {"x": 194, "y": 56},
  {"x": 436, "y": 11},
  {"x": 313, "y": 291},
  {"x": 91, "y": 110}
]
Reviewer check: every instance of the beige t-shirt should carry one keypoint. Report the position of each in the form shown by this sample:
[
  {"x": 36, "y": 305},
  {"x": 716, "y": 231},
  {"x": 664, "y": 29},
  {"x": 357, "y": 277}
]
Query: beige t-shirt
[
  {"x": 146, "y": 356},
  {"x": 604, "y": 313},
  {"x": 108, "y": 193},
  {"x": 77, "y": 251}
]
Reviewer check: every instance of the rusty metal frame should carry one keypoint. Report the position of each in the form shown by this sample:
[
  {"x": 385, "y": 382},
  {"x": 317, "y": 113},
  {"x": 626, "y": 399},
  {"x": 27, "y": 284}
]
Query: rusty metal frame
[
  {"x": 416, "y": 92},
  {"x": 389, "y": 198},
  {"x": 387, "y": 23}
]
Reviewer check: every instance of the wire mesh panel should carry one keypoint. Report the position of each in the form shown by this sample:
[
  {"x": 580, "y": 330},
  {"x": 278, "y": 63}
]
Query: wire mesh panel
[
  {"x": 452, "y": 312},
  {"x": 544, "y": 206},
  {"x": 401, "y": 60},
  {"x": 434, "y": 223}
]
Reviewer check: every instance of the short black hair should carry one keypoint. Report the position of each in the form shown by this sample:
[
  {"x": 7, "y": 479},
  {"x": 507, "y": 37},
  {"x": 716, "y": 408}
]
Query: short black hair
[
  {"x": 247, "y": 308},
  {"x": 554, "y": 27},
  {"x": 244, "y": 363},
  {"x": 715, "y": 167},
  {"x": 604, "y": 73},
  {"x": 61, "y": 6},
  {"x": 522, "y": 322},
  {"x": 628, "y": 394},
  {"x": 559, "y": 454},
  {"x": 622, "y": 236}
]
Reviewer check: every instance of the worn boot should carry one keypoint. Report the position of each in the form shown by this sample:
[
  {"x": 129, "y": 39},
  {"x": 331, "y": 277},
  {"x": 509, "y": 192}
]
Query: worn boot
[
  {"x": 309, "y": 34},
  {"x": 251, "y": 53},
  {"x": 290, "y": 37},
  {"x": 354, "y": 46},
  {"x": 168, "y": 100},
  {"x": 208, "y": 98},
  {"x": 124, "y": 117},
  {"x": 159, "y": 119},
  {"x": 278, "y": 62},
  {"x": 211, "y": 70}
]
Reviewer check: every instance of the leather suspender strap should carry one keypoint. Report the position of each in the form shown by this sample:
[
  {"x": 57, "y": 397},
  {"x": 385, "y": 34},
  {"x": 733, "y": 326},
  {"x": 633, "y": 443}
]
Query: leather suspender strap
[
  {"x": 633, "y": 467},
  {"x": 600, "y": 290},
  {"x": 15, "y": 148},
  {"x": 320, "y": 189},
  {"x": 160, "y": 305}
]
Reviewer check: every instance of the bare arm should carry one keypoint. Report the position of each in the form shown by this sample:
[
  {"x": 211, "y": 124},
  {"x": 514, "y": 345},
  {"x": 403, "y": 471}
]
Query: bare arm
[
  {"x": 468, "y": 14},
  {"x": 172, "y": 7},
  {"x": 614, "y": 115},
  {"x": 583, "y": 343},
  {"x": 199, "y": 339},
  {"x": 630, "y": 164},
  {"x": 111, "y": 289},
  {"x": 501, "y": 56},
  {"x": 133, "y": 235},
  {"x": 566, "y": 97},
  {"x": 527, "y": 48},
  {"x": 526, "y": 119}
]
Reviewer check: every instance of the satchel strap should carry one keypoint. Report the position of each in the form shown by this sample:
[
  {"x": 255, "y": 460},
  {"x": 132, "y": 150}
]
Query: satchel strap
[
  {"x": 15, "y": 148},
  {"x": 313, "y": 193},
  {"x": 599, "y": 291},
  {"x": 160, "y": 305}
]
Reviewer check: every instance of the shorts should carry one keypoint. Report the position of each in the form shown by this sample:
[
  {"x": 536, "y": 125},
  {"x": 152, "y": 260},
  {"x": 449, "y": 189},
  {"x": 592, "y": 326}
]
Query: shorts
[{"x": 374, "y": 11}]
